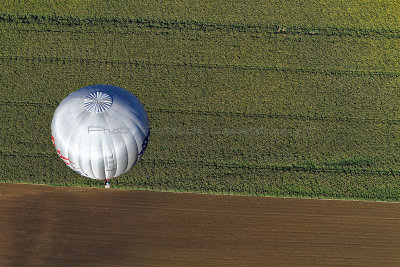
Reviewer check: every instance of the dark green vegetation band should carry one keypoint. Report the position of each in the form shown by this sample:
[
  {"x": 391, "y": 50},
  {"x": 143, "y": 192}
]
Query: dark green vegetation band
[{"x": 60, "y": 20}]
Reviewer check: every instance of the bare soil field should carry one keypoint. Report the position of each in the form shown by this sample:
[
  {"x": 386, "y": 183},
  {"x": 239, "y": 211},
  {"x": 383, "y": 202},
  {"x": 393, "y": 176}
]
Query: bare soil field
[{"x": 44, "y": 225}]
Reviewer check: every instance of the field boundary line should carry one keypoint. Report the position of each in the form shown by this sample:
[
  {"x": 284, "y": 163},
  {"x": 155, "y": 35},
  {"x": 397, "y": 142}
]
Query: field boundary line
[
  {"x": 137, "y": 63},
  {"x": 193, "y": 25}
]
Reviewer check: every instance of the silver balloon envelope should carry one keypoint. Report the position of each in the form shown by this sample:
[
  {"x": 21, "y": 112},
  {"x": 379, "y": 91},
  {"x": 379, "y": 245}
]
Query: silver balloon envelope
[{"x": 100, "y": 131}]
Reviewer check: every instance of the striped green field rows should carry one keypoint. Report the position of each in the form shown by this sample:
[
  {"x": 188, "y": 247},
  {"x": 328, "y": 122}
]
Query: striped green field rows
[
  {"x": 231, "y": 139},
  {"x": 232, "y": 110},
  {"x": 364, "y": 98},
  {"x": 230, "y": 46},
  {"x": 311, "y": 13},
  {"x": 187, "y": 114}
]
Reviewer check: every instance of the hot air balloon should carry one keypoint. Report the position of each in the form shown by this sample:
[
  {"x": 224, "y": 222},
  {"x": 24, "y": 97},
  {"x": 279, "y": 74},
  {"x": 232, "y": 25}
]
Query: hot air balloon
[{"x": 100, "y": 131}]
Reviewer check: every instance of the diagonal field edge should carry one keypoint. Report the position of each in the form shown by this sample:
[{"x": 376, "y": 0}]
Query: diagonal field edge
[
  {"x": 126, "y": 22},
  {"x": 211, "y": 113},
  {"x": 229, "y": 165}
]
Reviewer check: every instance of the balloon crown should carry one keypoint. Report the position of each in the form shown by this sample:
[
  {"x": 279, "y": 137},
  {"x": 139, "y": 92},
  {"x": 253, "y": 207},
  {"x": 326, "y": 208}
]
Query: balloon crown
[{"x": 97, "y": 102}]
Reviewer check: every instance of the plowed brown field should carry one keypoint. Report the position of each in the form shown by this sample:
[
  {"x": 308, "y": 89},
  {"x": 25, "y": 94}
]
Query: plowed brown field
[{"x": 83, "y": 226}]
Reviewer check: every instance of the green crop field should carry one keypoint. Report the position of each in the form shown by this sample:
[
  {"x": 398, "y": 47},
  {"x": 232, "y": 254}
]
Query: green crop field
[{"x": 279, "y": 98}]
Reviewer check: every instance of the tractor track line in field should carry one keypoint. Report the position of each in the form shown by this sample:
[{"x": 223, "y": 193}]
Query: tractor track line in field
[
  {"x": 229, "y": 165},
  {"x": 214, "y": 113},
  {"x": 137, "y": 63}
]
